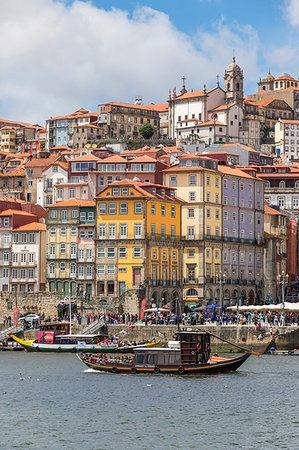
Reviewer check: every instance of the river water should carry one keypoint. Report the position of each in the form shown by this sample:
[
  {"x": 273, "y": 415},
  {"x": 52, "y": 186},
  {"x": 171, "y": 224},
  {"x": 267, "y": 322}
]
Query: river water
[{"x": 63, "y": 405}]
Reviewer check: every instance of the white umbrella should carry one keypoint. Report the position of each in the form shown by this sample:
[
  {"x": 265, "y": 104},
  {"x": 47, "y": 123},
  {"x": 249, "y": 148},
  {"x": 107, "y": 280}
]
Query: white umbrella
[{"x": 156, "y": 309}]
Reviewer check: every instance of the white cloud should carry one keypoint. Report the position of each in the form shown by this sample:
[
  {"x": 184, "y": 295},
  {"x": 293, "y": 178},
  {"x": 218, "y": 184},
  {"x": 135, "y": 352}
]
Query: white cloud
[
  {"x": 56, "y": 57},
  {"x": 292, "y": 11}
]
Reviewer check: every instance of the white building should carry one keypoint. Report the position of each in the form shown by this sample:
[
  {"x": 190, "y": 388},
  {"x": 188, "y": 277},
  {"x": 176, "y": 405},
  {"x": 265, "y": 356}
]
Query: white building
[
  {"x": 28, "y": 258},
  {"x": 287, "y": 139},
  {"x": 213, "y": 115},
  {"x": 55, "y": 174}
]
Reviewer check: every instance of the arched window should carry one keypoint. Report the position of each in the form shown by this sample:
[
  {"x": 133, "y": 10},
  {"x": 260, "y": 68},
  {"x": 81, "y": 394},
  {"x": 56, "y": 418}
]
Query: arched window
[
  {"x": 192, "y": 292},
  {"x": 267, "y": 184},
  {"x": 238, "y": 86},
  {"x": 228, "y": 86},
  {"x": 264, "y": 88},
  {"x": 282, "y": 184},
  {"x": 297, "y": 185}
]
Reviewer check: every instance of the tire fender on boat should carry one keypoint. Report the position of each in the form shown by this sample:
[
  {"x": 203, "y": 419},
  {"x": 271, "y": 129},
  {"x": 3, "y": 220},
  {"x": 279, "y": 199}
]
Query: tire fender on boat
[
  {"x": 114, "y": 369},
  {"x": 156, "y": 370},
  {"x": 133, "y": 370},
  {"x": 36, "y": 349},
  {"x": 59, "y": 349},
  {"x": 74, "y": 349},
  {"x": 181, "y": 370}
]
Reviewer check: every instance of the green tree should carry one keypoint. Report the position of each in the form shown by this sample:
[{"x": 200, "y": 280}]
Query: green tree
[{"x": 146, "y": 131}]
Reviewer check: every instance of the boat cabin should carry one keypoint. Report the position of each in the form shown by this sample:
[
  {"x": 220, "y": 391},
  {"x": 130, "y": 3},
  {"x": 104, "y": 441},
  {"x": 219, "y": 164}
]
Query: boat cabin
[
  {"x": 157, "y": 357},
  {"x": 55, "y": 327},
  {"x": 195, "y": 347},
  {"x": 48, "y": 331},
  {"x": 74, "y": 339}
]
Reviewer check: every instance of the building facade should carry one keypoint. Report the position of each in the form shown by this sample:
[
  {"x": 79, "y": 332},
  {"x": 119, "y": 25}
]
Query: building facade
[
  {"x": 67, "y": 273},
  {"x": 222, "y": 226},
  {"x": 138, "y": 242},
  {"x": 123, "y": 120}
]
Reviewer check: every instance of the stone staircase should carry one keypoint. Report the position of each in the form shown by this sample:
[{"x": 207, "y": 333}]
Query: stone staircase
[
  {"x": 4, "y": 334},
  {"x": 93, "y": 327}
]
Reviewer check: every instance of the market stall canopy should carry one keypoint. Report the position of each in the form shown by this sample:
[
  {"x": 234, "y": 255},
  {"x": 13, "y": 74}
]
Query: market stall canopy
[
  {"x": 213, "y": 305},
  {"x": 287, "y": 307}
]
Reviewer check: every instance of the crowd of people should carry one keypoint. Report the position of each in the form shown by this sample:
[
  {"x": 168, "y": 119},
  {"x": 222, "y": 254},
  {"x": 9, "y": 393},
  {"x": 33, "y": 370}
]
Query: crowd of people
[
  {"x": 204, "y": 317},
  {"x": 102, "y": 358}
]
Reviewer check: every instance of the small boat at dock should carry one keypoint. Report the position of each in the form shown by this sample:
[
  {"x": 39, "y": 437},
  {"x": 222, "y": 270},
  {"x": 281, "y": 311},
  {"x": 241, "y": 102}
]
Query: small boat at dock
[
  {"x": 294, "y": 352},
  {"x": 50, "y": 341}
]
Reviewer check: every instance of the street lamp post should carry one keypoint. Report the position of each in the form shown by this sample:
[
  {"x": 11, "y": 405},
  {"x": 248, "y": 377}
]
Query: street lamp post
[
  {"x": 283, "y": 280},
  {"x": 221, "y": 281}
]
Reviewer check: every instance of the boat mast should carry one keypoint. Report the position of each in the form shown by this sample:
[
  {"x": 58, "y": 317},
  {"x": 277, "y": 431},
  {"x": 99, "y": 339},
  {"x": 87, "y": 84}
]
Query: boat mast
[{"x": 70, "y": 311}]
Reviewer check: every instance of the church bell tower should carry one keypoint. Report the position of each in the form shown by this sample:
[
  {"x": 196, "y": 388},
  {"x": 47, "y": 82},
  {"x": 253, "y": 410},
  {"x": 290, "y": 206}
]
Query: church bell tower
[{"x": 233, "y": 83}]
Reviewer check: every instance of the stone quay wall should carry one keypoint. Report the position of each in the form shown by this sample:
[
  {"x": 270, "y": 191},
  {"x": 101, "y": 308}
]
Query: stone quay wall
[
  {"x": 245, "y": 336},
  {"x": 35, "y": 302}
]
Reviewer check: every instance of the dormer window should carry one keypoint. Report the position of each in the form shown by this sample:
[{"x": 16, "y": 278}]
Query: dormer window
[
  {"x": 115, "y": 191},
  {"x": 125, "y": 191},
  {"x": 282, "y": 184},
  {"x": 154, "y": 191},
  {"x": 163, "y": 192}
]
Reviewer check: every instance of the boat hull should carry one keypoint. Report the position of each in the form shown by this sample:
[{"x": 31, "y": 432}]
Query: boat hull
[
  {"x": 294, "y": 352},
  {"x": 32, "y": 346},
  {"x": 210, "y": 368}
]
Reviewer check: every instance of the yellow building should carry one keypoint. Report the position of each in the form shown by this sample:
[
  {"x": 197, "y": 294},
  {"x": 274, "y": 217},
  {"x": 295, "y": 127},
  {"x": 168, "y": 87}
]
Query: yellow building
[
  {"x": 8, "y": 139},
  {"x": 70, "y": 247},
  {"x": 138, "y": 243},
  {"x": 198, "y": 182}
]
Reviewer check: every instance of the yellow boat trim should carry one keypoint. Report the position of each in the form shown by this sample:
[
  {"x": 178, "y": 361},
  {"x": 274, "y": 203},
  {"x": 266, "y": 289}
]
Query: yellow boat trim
[
  {"x": 152, "y": 344},
  {"x": 27, "y": 343}
]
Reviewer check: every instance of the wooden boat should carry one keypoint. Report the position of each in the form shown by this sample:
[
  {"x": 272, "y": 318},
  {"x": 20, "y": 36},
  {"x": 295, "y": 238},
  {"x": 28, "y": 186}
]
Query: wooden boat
[
  {"x": 191, "y": 355},
  {"x": 73, "y": 343},
  {"x": 294, "y": 352}
]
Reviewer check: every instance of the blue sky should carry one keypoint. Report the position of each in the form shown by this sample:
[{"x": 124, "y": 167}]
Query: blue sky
[{"x": 60, "y": 55}]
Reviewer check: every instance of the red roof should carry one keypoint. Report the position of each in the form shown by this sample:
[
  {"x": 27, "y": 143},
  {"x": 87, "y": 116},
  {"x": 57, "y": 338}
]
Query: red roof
[
  {"x": 90, "y": 157},
  {"x": 194, "y": 94},
  {"x": 114, "y": 159},
  {"x": 33, "y": 226},
  {"x": 73, "y": 202},
  {"x": 143, "y": 159},
  {"x": 11, "y": 212},
  {"x": 162, "y": 107}
]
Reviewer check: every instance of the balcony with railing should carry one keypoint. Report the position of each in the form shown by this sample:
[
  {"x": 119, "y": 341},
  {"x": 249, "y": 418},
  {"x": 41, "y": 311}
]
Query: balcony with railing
[
  {"x": 191, "y": 280},
  {"x": 211, "y": 237},
  {"x": 174, "y": 283}
]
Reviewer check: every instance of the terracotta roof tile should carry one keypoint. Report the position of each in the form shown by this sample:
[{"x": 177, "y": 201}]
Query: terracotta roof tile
[
  {"x": 141, "y": 159},
  {"x": 194, "y": 94},
  {"x": 34, "y": 226},
  {"x": 114, "y": 158},
  {"x": 73, "y": 202},
  {"x": 246, "y": 147},
  {"x": 86, "y": 158},
  {"x": 162, "y": 107},
  {"x": 272, "y": 211},
  {"x": 11, "y": 212},
  {"x": 212, "y": 122}
]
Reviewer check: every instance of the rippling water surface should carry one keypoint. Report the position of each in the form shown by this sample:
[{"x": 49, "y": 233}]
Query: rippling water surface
[{"x": 61, "y": 405}]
